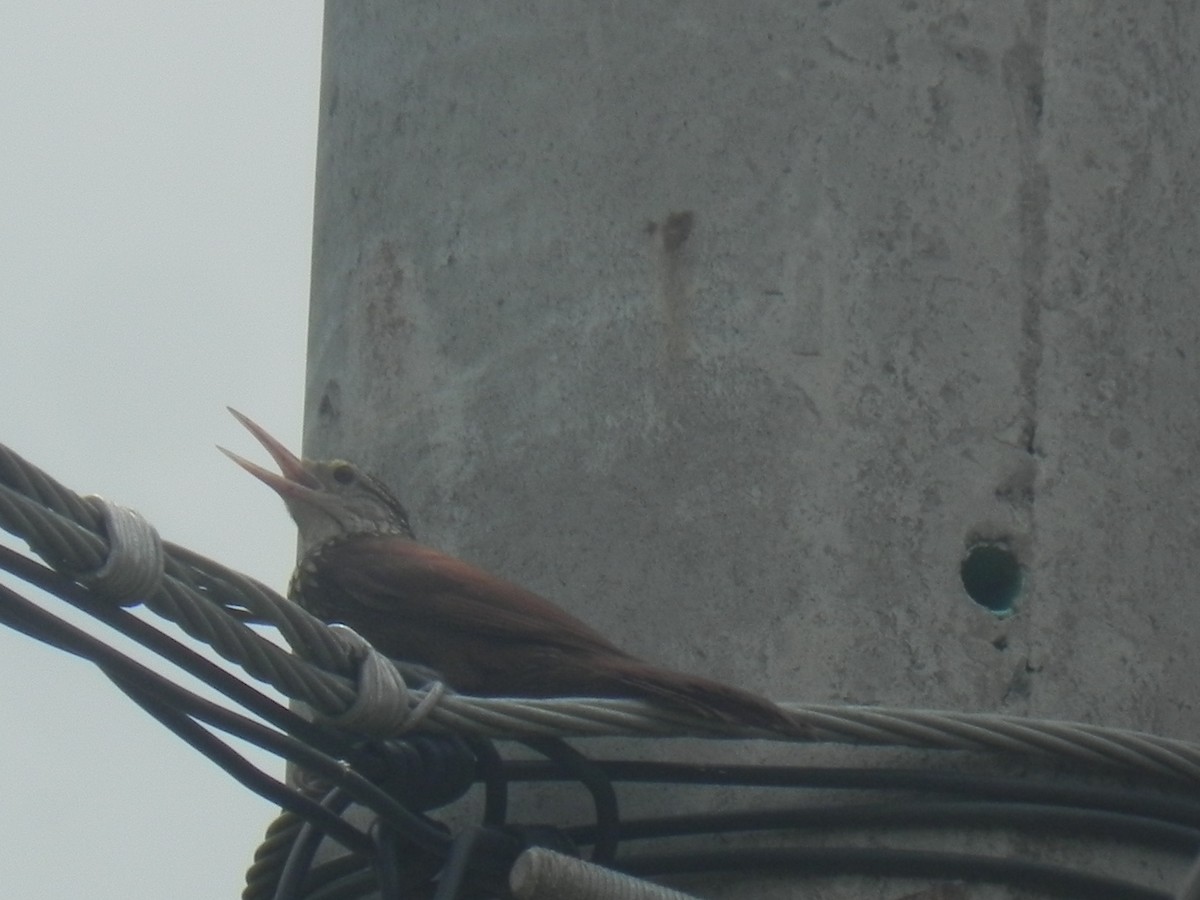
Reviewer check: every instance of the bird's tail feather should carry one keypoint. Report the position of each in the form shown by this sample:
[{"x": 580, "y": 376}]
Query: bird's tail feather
[{"x": 708, "y": 699}]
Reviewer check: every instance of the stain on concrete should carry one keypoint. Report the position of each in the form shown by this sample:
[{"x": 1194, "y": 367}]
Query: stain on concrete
[
  {"x": 1023, "y": 69},
  {"x": 674, "y": 281},
  {"x": 329, "y": 407},
  {"x": 1024, "y": 78},
  {"x": 384, "y": 283}
]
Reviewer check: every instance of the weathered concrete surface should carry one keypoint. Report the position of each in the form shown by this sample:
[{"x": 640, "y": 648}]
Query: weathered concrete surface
[{"x": 731, "y": 327}]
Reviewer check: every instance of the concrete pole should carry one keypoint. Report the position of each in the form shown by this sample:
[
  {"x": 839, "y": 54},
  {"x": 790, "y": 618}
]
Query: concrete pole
[{"x": 734, "y": 328}]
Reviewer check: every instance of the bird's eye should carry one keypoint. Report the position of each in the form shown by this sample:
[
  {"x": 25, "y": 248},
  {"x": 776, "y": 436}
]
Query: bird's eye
[{"x": 344, "y": 474}]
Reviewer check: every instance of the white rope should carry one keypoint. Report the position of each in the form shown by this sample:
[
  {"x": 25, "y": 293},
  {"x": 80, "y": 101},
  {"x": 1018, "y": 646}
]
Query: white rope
[
  {"x": 383, "y": 698},
  {"x": 133, "y": 569}
]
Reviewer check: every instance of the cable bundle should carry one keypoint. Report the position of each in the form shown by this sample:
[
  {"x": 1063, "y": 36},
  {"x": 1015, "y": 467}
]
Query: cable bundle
[{"x": 380, "y": 739}]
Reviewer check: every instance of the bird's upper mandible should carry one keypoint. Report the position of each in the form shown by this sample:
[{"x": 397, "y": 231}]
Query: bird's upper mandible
[{"x": 329, "y": 499}]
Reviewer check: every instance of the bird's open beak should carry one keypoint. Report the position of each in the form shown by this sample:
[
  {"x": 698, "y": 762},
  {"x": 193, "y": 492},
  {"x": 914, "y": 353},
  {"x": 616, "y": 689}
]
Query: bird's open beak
[{"x": 295, "y": 482}]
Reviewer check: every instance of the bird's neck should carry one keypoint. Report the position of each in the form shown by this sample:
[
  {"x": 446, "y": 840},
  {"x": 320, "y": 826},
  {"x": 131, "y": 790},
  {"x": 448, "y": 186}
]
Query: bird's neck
[
  {"x": 319, "y": 526},
  {"x": 315, "y": 540}
]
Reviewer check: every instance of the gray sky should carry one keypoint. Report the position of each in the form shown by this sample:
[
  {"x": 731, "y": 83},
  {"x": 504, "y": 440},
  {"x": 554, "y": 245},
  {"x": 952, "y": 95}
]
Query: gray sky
[{"x": 156, "y": 183}]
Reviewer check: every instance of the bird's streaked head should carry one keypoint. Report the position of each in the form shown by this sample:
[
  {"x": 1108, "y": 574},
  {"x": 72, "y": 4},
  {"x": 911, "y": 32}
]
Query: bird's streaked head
[{"x": 327, "y": 498}]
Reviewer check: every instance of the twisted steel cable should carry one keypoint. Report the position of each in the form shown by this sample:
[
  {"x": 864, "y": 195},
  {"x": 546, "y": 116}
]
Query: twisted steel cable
[{"x": 325, "y": 668}]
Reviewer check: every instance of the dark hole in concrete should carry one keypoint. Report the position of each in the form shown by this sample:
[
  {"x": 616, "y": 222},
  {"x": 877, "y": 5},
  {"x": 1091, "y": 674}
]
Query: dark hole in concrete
[{"x": 992, "y": 577}]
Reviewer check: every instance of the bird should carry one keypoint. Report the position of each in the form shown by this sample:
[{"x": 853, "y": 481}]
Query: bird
[{"x": 359, "y": 564}]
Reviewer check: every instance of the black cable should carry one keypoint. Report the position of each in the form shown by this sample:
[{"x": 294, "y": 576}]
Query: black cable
[
  {"x": 880, "y": 862},
  {"x": 387, "y": 865},
  {"x": 173, "y": 651},
  {"x": 592, "y": 777},
  {"x": 422, "y": 771},
  {"x": 337, "y": 881},
  {"x": 147, "y": 689},
  {"x": 490, "y": 770},
  {"x": 458, "y": 863},
  {"x": 416, "y": 829},
  {"x": 332, "y": 742},
  {"x": 1154, "y": 819},
  {"x": 355, "y": 878},
  {"x": 247, "y": 774},
  {"x": 1177, "y": 807},
  {"x": 300, "y": 855},
  {"x": 31, "y": 619},
  {"x": 916, "y": 814}
]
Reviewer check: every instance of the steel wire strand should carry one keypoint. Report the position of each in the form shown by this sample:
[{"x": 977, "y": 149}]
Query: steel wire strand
[
  {"x": 173, "y": 706},
  {"x": 232, "y": 590},
  {"x": 974, "y": 731},
  {"x": 186, "y": 714},
  {"x": 66, "y": 531},
  {"x": 583, "y": 717},
  {"x": 271, "y": 855},
  {"x": 196, "y": 593},
  {"x": 198, "y": 598},
  {"x": 30, "y": 481},
  {"x": 332, "y": 745},
  {"x": 240, "y": 691}
]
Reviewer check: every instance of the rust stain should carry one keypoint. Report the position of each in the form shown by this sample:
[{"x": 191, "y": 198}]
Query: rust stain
[
  {"x": 676, "y": 230},
  {"x": 329, "y": 408},
  {"x": 384, "y": 330},
  {"x": 673, "y": 234},
  {"x": 385, "y": 285}
]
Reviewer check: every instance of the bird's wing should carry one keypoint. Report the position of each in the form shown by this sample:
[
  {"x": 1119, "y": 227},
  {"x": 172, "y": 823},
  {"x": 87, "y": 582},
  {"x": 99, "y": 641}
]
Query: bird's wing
[{"x": 421, "y": 585}]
